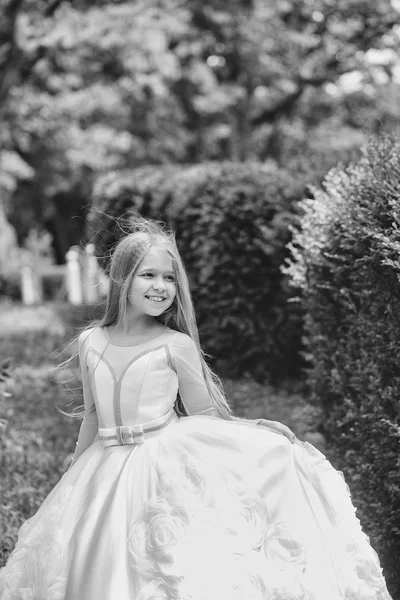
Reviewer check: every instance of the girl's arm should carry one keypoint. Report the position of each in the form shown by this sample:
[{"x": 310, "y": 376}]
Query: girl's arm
[
  {"x": 89, "y": 425},
  {"x": 192, "y": 386},
  {"x": 194, "y": 392}
]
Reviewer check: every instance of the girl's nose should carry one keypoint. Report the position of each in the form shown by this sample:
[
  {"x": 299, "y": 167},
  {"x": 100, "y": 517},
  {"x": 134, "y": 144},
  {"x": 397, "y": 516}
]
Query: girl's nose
[{"x": 159, "y": 284}]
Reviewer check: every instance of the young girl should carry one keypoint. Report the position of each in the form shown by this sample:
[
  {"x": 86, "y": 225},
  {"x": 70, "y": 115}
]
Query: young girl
[{"x": 179, "y": 500}]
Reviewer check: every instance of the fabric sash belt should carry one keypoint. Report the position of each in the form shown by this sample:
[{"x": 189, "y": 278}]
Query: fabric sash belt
[{"x": 134, "y": 434}]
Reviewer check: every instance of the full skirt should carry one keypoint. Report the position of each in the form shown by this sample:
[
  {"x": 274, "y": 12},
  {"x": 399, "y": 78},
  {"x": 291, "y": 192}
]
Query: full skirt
[{"x": 207, "y": 510}]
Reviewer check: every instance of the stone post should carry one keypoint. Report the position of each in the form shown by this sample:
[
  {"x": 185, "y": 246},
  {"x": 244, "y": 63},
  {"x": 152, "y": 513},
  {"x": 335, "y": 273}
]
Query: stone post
[
  {"x": 91, "y": 275},
  {"x": 31, "y": 289},
  {"x": 74, "y": 283}
]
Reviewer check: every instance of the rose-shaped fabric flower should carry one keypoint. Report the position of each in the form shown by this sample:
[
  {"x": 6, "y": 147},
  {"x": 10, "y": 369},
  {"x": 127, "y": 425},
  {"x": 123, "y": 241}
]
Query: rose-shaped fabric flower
[
  {"x": 55, "y": 591},
  {"x": 37, "y": 565},
  {"x": 156, "y": 540},
  {"x": 189, "y": 479},
  {"x": 253, "y": 524},
  {"x": 358, "y": 589},
  {"x": 46, "y": 583},
  {"x": 164, "y": 531},
  {"x": 155, "y": 590},
  {"x": 138, "y": 558},
  {"x": 280, "y": 545},
  {"x": 365, "y": 571}
]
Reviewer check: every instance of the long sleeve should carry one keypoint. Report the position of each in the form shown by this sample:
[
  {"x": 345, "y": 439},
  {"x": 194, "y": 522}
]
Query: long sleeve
[
  {"x": 89, "y": 425},
  {"x": 192, "y": 386}
]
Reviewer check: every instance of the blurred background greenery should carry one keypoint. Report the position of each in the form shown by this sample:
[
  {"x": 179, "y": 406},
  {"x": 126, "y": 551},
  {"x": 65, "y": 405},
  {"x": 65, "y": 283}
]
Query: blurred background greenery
[
  {"x": 264, "y": 132},
  {"x": 92, "y": 87}
]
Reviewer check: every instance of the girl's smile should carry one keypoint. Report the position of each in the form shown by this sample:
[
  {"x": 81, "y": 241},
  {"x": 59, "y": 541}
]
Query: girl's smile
[{"x": 156, "y": 298}]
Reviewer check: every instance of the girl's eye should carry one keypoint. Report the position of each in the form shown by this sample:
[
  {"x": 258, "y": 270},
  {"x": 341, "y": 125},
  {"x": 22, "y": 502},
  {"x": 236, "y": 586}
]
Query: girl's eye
[{"x": 170, "y": 278}]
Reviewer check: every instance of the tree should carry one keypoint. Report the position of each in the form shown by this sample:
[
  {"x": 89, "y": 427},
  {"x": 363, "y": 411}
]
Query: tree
[
  {"x": 95, "y": 86},
  {"x": 93, "y": 101},
  {"x": 266, "y": 56}
]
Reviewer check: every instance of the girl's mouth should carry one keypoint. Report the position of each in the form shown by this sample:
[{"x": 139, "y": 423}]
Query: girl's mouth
[{"x": 156, "y": 299}]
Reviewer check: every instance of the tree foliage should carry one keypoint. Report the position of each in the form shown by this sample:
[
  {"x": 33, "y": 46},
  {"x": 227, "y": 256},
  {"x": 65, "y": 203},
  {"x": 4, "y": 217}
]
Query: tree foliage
[{"x": 88, "y": 87}]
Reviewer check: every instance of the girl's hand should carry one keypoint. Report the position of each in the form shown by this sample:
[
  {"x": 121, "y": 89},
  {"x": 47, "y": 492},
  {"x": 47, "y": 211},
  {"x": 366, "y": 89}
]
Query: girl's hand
[
  {"x": 274, "y": 425},
  {"x": 279, "y": 428}
]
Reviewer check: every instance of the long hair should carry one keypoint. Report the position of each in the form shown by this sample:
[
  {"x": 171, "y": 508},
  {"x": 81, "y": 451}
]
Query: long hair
[{"x": 180, "y": 316}]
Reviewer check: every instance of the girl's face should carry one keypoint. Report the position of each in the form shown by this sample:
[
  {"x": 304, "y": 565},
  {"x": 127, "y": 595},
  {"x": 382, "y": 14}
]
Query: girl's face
[{"x": 153, "y": 286}]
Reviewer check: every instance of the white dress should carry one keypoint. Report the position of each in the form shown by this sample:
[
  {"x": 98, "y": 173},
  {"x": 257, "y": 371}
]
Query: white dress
[{"x": 197, "y": 508}]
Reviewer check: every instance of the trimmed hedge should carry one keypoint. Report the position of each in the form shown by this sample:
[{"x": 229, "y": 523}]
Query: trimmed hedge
[
  {"x": 231, "y": 222},
  {"x": 346, "y": 261}
]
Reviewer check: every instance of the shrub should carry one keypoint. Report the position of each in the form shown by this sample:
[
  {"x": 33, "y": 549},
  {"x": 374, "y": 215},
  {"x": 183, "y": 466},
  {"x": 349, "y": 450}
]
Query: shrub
[
  {"x": 346, "y": 262},
  {"x": 231, "y": 223}
]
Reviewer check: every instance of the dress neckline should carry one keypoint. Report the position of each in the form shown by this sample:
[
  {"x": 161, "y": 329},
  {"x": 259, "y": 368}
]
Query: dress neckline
[{"x": 107, "y": 336}]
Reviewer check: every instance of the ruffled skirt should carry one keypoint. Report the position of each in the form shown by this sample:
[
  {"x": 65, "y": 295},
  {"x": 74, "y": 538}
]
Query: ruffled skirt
[{"x": 207, "y": 510}]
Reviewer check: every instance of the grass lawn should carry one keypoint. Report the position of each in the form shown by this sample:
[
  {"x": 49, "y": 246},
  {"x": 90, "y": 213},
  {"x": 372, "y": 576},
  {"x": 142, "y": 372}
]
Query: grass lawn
[{"x": 37, "y": 442}]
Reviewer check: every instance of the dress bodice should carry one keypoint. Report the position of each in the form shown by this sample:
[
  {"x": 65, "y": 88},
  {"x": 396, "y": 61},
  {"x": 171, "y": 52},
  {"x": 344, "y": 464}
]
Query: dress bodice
[{"x": 130, "y": 385}]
